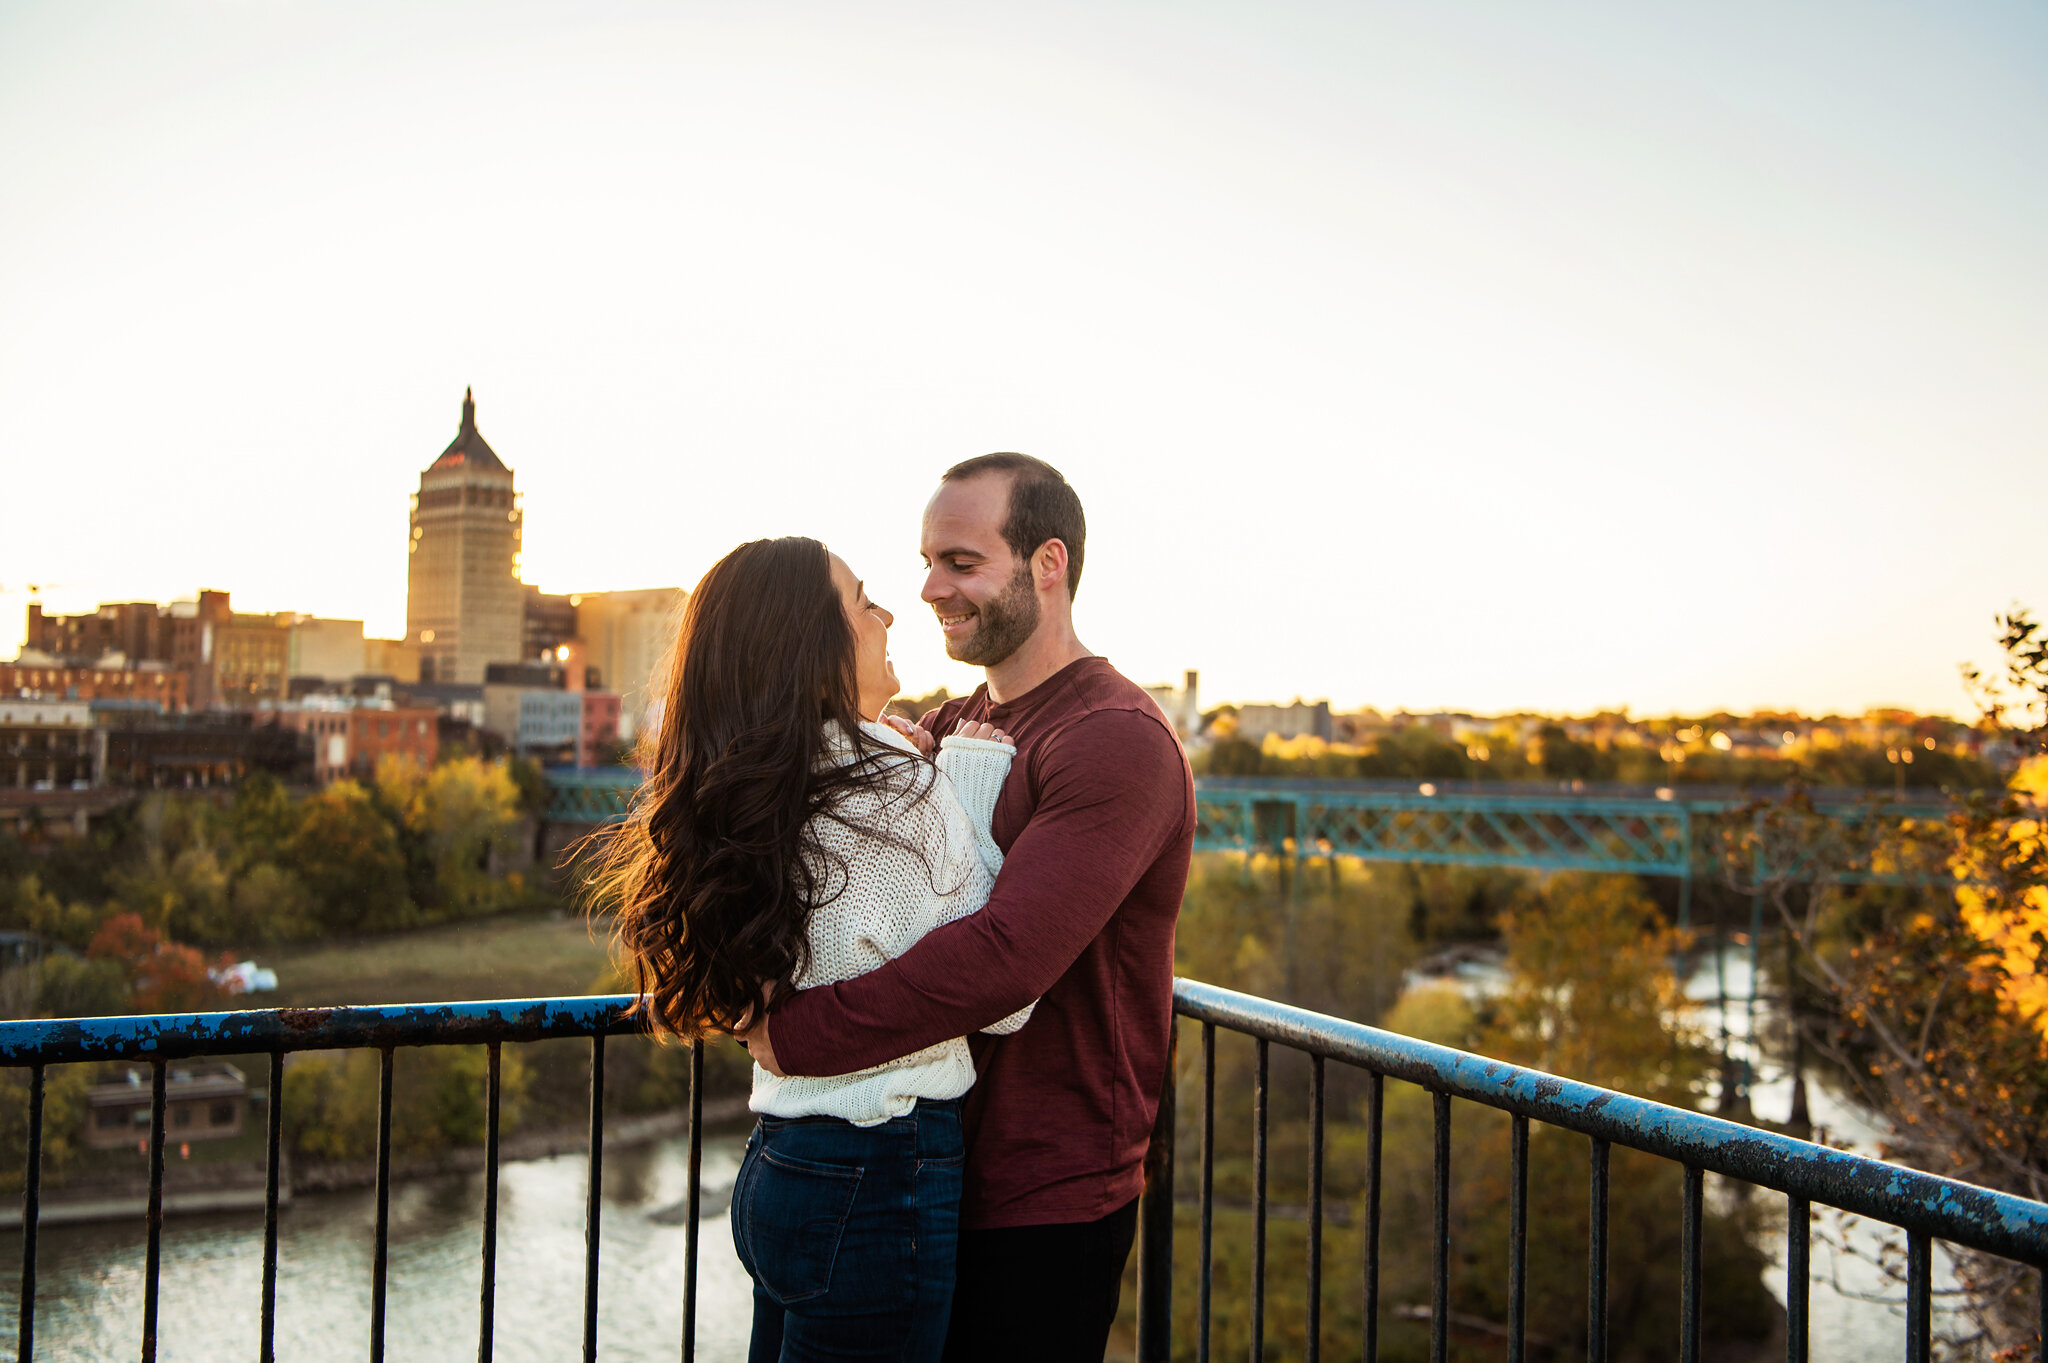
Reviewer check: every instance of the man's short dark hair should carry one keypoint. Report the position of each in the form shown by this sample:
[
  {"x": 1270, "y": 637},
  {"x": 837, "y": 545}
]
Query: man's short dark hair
[{"x": 1042, "y": 507}]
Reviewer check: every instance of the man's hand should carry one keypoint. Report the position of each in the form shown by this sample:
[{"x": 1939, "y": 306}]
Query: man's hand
[
  {"x": 755, "y": 1039},
  {"x": 916, "y": 735}
]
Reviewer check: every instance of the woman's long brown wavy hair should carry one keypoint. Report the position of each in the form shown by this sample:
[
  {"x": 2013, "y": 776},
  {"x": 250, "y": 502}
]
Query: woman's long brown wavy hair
[{"x": 713, "y": 875}]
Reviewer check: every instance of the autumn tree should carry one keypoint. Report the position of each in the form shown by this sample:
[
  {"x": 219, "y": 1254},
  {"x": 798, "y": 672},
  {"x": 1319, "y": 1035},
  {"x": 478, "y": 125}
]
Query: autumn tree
[
  {"x": 163, "y": 977},
  {"x": 1932, "y": 990}
]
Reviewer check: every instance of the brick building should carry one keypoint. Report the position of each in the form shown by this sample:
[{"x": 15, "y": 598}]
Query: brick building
[
  {"x": 198, "y": 750},
  {"x": 151, "y": 684},
  {"x": 350, "y": 735}
]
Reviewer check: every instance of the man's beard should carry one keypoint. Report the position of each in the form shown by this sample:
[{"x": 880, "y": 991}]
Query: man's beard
[{"x": 1001, "y": 625}]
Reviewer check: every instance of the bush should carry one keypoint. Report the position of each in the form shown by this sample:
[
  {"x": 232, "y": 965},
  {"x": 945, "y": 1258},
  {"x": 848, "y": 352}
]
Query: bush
[
  {"x": 64, "y": 1114},
  {"x": 70, "y": 986},
  {"x": 438, "y": 1100}
]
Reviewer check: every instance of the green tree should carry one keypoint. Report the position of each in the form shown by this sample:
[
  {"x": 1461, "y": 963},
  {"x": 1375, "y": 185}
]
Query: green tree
[
  {"x": 348, "y": 855},
  {"x": 1561, "y": 757},
  {"x": 26, "y": 906},
  {"x": 270, "y": 904},
  {"x": 1591, "y": 992},
  {"x": 70, "y": 986},
  {"x": 454, "y": 816}
]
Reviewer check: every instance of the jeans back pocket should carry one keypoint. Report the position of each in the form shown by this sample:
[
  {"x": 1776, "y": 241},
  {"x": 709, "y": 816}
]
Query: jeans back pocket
[{"x": 790, "y": 1221}]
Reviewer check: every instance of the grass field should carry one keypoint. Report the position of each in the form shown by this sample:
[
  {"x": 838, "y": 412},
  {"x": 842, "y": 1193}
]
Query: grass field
[{"x": 511, "y": 957}]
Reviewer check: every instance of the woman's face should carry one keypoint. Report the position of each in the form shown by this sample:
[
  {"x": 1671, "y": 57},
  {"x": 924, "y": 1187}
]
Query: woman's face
[{"x": 870, "y": 624}]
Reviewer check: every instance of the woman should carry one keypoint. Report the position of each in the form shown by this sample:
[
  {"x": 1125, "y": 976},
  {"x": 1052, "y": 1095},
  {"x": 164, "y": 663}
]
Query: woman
[{"x": 786, "y": 838}]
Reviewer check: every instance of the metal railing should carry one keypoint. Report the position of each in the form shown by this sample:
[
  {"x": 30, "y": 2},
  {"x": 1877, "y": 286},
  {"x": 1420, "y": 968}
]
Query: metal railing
[
  {"x": 165, "y": 1038},
  {"x": 1926, "y": 1206}
]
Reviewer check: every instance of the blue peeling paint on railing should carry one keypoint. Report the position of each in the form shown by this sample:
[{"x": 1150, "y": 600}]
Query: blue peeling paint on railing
[{"x": 179, "y": 1036}]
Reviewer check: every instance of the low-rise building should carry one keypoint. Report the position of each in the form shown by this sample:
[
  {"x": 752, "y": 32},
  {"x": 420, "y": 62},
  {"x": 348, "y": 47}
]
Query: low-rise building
[
  {"x": 203, "y": 1101},
  {"x": 461, "y": 701},
  {"x": 50, "y": 745},
  {"x": 600, "y": 725},
  {"x": 1300, "y": 719},
  {"x": 377, "y": 732},
  {"x": 199, "y": 750},
  {"x": 351, "y": 734}
]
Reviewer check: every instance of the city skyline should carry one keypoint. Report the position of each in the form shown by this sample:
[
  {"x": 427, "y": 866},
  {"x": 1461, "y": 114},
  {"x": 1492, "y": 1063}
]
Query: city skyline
[{"x": 1612, "y": 358}]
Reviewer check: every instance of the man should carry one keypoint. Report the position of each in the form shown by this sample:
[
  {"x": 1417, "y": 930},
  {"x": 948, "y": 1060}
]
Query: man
[{"x": 1096, "y": 823}]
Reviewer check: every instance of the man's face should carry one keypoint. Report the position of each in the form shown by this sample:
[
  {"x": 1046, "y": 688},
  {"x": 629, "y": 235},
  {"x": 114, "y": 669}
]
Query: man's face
[{"x": 980, "y": 591}]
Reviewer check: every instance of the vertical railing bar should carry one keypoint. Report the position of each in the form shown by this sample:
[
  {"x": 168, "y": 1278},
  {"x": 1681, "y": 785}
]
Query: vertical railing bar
[
  {"x": 273, "y": 1173},
  {"x": 1155, "y": 1216},
  {"x": 153, "y": 1261},
  {"x": 1259, "y": 1100},
  {"x": 1440, "y": 1259},
  {"x": 1689, "y": 1268},
  {"x": 1315, "y": 1209},
  {"x": 1919, "y": 1297},
  {"x": 1596, "y": 1256},
  {"x": 487, "y": 1296},
  {"x": 695, "y": 1179},
  {"x": 1518, "y": 1237},
  {"x": 1798, "y": 1275},
  {"x": 31, "y": 1215},
  {"x": 592, "y": 1207},
  {"x": 1208, "y": 1188},
  {"x": 1375, "y": 1103},
  {"x": 380, "y": 1265}
]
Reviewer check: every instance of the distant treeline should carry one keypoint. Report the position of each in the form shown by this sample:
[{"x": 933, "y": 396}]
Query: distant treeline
[{"x": 1420, "y": 753}]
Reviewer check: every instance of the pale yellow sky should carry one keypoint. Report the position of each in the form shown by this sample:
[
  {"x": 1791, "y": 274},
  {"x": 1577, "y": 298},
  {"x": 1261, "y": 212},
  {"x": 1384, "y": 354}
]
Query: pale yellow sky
[{"x": 1493, "y": 357}]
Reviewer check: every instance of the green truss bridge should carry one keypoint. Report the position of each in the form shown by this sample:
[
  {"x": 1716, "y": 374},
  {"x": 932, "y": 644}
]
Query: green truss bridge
[{"x": 1669, "y": 831}]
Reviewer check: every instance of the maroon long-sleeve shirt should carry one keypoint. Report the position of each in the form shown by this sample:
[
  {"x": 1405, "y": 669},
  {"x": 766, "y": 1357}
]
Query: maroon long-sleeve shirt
[{"x": 1096, "y": 823}]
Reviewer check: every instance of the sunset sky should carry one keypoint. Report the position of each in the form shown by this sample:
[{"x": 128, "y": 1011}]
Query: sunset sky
[{"x": 1488, "y": 356}]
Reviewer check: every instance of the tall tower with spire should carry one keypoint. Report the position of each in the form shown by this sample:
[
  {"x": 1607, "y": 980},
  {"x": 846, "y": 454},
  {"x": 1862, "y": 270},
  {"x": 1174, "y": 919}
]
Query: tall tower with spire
[{"x": 462, "y": 602}]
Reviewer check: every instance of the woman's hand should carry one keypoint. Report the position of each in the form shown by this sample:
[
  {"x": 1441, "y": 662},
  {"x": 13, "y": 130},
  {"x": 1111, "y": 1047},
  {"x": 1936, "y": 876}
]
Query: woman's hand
[
  {"x": 921, "y": 737},
  {"x": 987, "y": 733}
]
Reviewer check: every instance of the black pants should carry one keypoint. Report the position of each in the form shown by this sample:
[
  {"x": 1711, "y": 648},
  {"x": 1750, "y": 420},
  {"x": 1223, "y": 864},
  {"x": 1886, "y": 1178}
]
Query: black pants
[{"x": 1040, "y": 1294}]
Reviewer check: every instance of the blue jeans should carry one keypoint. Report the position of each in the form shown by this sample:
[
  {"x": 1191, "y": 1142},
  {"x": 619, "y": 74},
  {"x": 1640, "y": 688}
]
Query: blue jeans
[{"x": 849, "y": 1234}]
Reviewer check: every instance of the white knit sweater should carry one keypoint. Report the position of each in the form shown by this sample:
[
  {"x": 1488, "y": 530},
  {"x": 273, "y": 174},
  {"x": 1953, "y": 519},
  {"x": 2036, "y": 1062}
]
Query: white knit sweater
[{"x": 886, "y": 899}]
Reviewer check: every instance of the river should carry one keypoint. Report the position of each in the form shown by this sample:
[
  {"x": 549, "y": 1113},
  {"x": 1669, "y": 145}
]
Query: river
[{"x": 89, "y": 1294}]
